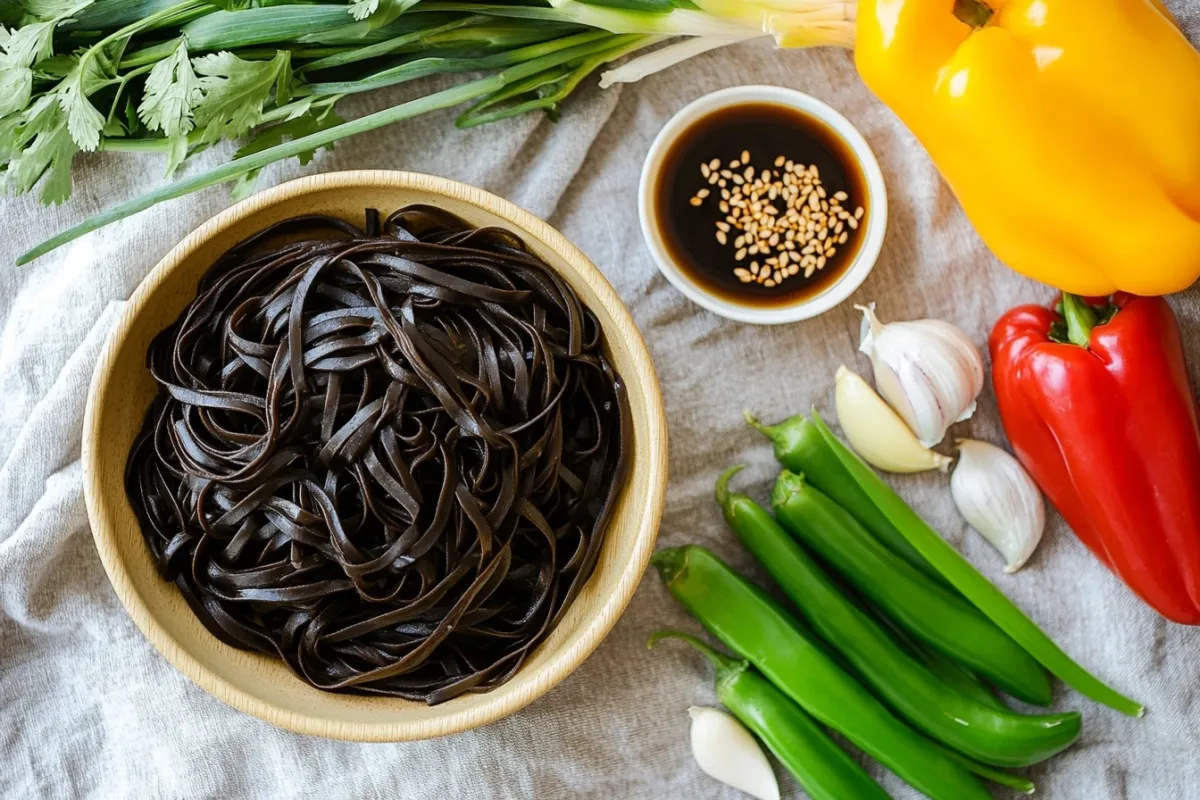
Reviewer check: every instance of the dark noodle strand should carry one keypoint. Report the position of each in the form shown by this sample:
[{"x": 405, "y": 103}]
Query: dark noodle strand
[{"x": 387, "y": 455}]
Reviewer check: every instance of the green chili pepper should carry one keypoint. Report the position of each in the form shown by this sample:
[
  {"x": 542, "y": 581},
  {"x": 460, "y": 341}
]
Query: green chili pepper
[
  {"x": 994, "y": 736},
  {"x": 756, "y": 628},
  {"x": 928, "y": 611},
  {"x": 973, "y": 585},
  {"x": 993, "y": 774},
  {"x": 822, "y": 768},
  {"x": 955, "y": 675},
  {"x": 799, "y": 446},
  {"x": 947, "y": 670}
]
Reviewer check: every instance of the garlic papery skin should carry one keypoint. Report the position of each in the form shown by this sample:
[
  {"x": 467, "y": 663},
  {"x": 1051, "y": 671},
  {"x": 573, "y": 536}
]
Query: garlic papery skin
[
  {"x": 725, "y": 750},
  {"x": 997, "y": 497},
  {"x": 927, "y": 369},
  {"x": 876, "y": 432}
]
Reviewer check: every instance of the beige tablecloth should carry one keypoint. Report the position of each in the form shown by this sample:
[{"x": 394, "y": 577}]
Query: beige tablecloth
[{"x": 89, "y": 709}]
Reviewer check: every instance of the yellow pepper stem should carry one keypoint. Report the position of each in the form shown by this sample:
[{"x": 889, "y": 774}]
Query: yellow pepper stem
[
  {"x": 975, "y": 13},
  {"x": 1081, "y": 318}
]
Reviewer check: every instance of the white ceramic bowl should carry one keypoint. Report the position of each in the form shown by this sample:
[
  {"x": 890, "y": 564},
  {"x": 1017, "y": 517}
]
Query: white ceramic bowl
[{"x": 836, "y": 292}]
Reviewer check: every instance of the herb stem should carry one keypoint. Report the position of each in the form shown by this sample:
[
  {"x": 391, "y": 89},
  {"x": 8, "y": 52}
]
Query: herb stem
[{"x": 117, "y": 144}]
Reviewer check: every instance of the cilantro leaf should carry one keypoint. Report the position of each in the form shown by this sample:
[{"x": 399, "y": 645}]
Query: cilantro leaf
[
  {"x": 35, "y": 143},
  {"x": 234, "y": 92},
  {"x": 176, "y": 155},
  {"x": 19, "y": 51},
  {"x": 16, "y": 89},
  {"x": 172, "y": 92},
  {"x": 60, "y": 149},
  {"x": 28, "y": 44},
  {"x": 84, "y": 121}
]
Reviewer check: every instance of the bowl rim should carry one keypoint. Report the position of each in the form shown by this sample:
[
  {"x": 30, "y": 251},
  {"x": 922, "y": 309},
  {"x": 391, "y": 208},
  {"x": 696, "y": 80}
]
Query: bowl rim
[
  {"x": 564, "y": 661},
  {"x": 831, "y": 296}
]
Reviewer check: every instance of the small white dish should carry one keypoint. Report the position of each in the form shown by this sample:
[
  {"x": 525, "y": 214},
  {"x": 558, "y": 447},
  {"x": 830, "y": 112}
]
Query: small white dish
[{"x": 855, "y": 273}]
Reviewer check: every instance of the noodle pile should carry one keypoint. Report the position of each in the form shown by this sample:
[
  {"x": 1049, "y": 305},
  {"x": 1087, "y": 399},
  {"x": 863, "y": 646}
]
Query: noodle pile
[{"x": 386, "y": 456}]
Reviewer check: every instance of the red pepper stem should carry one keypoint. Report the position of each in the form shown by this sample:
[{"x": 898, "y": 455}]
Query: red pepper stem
[
  {"x": 1081, "y": 318},
  {"x": 975, "y": 13}
]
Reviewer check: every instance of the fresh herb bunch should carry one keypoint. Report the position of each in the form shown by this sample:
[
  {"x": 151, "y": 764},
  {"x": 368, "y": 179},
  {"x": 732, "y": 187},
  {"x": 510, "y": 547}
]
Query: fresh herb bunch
[{"x": 175, "y": 78}]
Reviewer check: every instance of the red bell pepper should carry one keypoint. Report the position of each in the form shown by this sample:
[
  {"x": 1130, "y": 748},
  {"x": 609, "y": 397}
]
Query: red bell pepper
[{"x": 1098, "y": 407}]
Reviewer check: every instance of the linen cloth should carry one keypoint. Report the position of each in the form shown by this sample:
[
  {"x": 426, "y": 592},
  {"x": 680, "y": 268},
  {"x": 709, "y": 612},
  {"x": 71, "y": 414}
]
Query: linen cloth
[{"x": 88, "y": 709}]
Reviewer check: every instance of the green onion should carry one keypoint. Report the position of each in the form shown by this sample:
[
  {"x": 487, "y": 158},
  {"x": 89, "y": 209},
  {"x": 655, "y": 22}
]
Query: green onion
[
  {"x": 678, "y": 22},
  {"x": 227, "y": 30},
  {"x": 111, "y": 14},
  {"x": 565, "y": 79},
  {"x": 392, "y": 45}
]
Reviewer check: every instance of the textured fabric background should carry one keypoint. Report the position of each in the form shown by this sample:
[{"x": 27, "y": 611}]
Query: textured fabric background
[{"x": 89, "y": 709}]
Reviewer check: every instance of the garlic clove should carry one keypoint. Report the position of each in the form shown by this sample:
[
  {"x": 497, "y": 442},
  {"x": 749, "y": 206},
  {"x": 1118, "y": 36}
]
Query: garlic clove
[
  {"x": 725, "y": 750},
  {"x": 997, "y": 497},
  {"x": 928, "y": 370},
  {"x": 876, "y": 432}
]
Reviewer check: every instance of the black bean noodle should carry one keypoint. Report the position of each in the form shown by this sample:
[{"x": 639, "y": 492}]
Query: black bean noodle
[{"x": 386, "y": 455}]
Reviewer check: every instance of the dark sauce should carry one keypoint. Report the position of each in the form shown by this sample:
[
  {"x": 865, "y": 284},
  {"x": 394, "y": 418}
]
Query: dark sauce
[{"x": 766, "y": 130}]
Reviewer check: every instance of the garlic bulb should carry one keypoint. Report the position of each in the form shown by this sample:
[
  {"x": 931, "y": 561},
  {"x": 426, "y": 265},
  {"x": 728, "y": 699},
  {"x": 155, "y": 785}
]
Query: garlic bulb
[
  {"x": 876, "y": 432},
  {"x": 927, "y": 369},
  {"x": 726, "y": 751},
  {"x": 999, "y": 499}
]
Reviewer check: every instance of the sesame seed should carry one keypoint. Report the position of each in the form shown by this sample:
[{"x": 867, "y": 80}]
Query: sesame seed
[{"x": 784, "y": 218}]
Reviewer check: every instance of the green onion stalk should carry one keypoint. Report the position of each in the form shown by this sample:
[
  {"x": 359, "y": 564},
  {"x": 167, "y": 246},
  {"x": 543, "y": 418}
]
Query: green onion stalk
[{"x": 175, "y": 78}]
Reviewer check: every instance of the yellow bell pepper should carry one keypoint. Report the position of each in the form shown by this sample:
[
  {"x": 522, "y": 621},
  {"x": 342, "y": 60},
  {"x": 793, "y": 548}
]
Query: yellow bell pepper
[{"x": 1068, "y": 129}]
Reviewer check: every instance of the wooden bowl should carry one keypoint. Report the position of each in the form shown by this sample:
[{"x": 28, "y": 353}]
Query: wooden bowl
[{"x": 122, "y": 389}]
